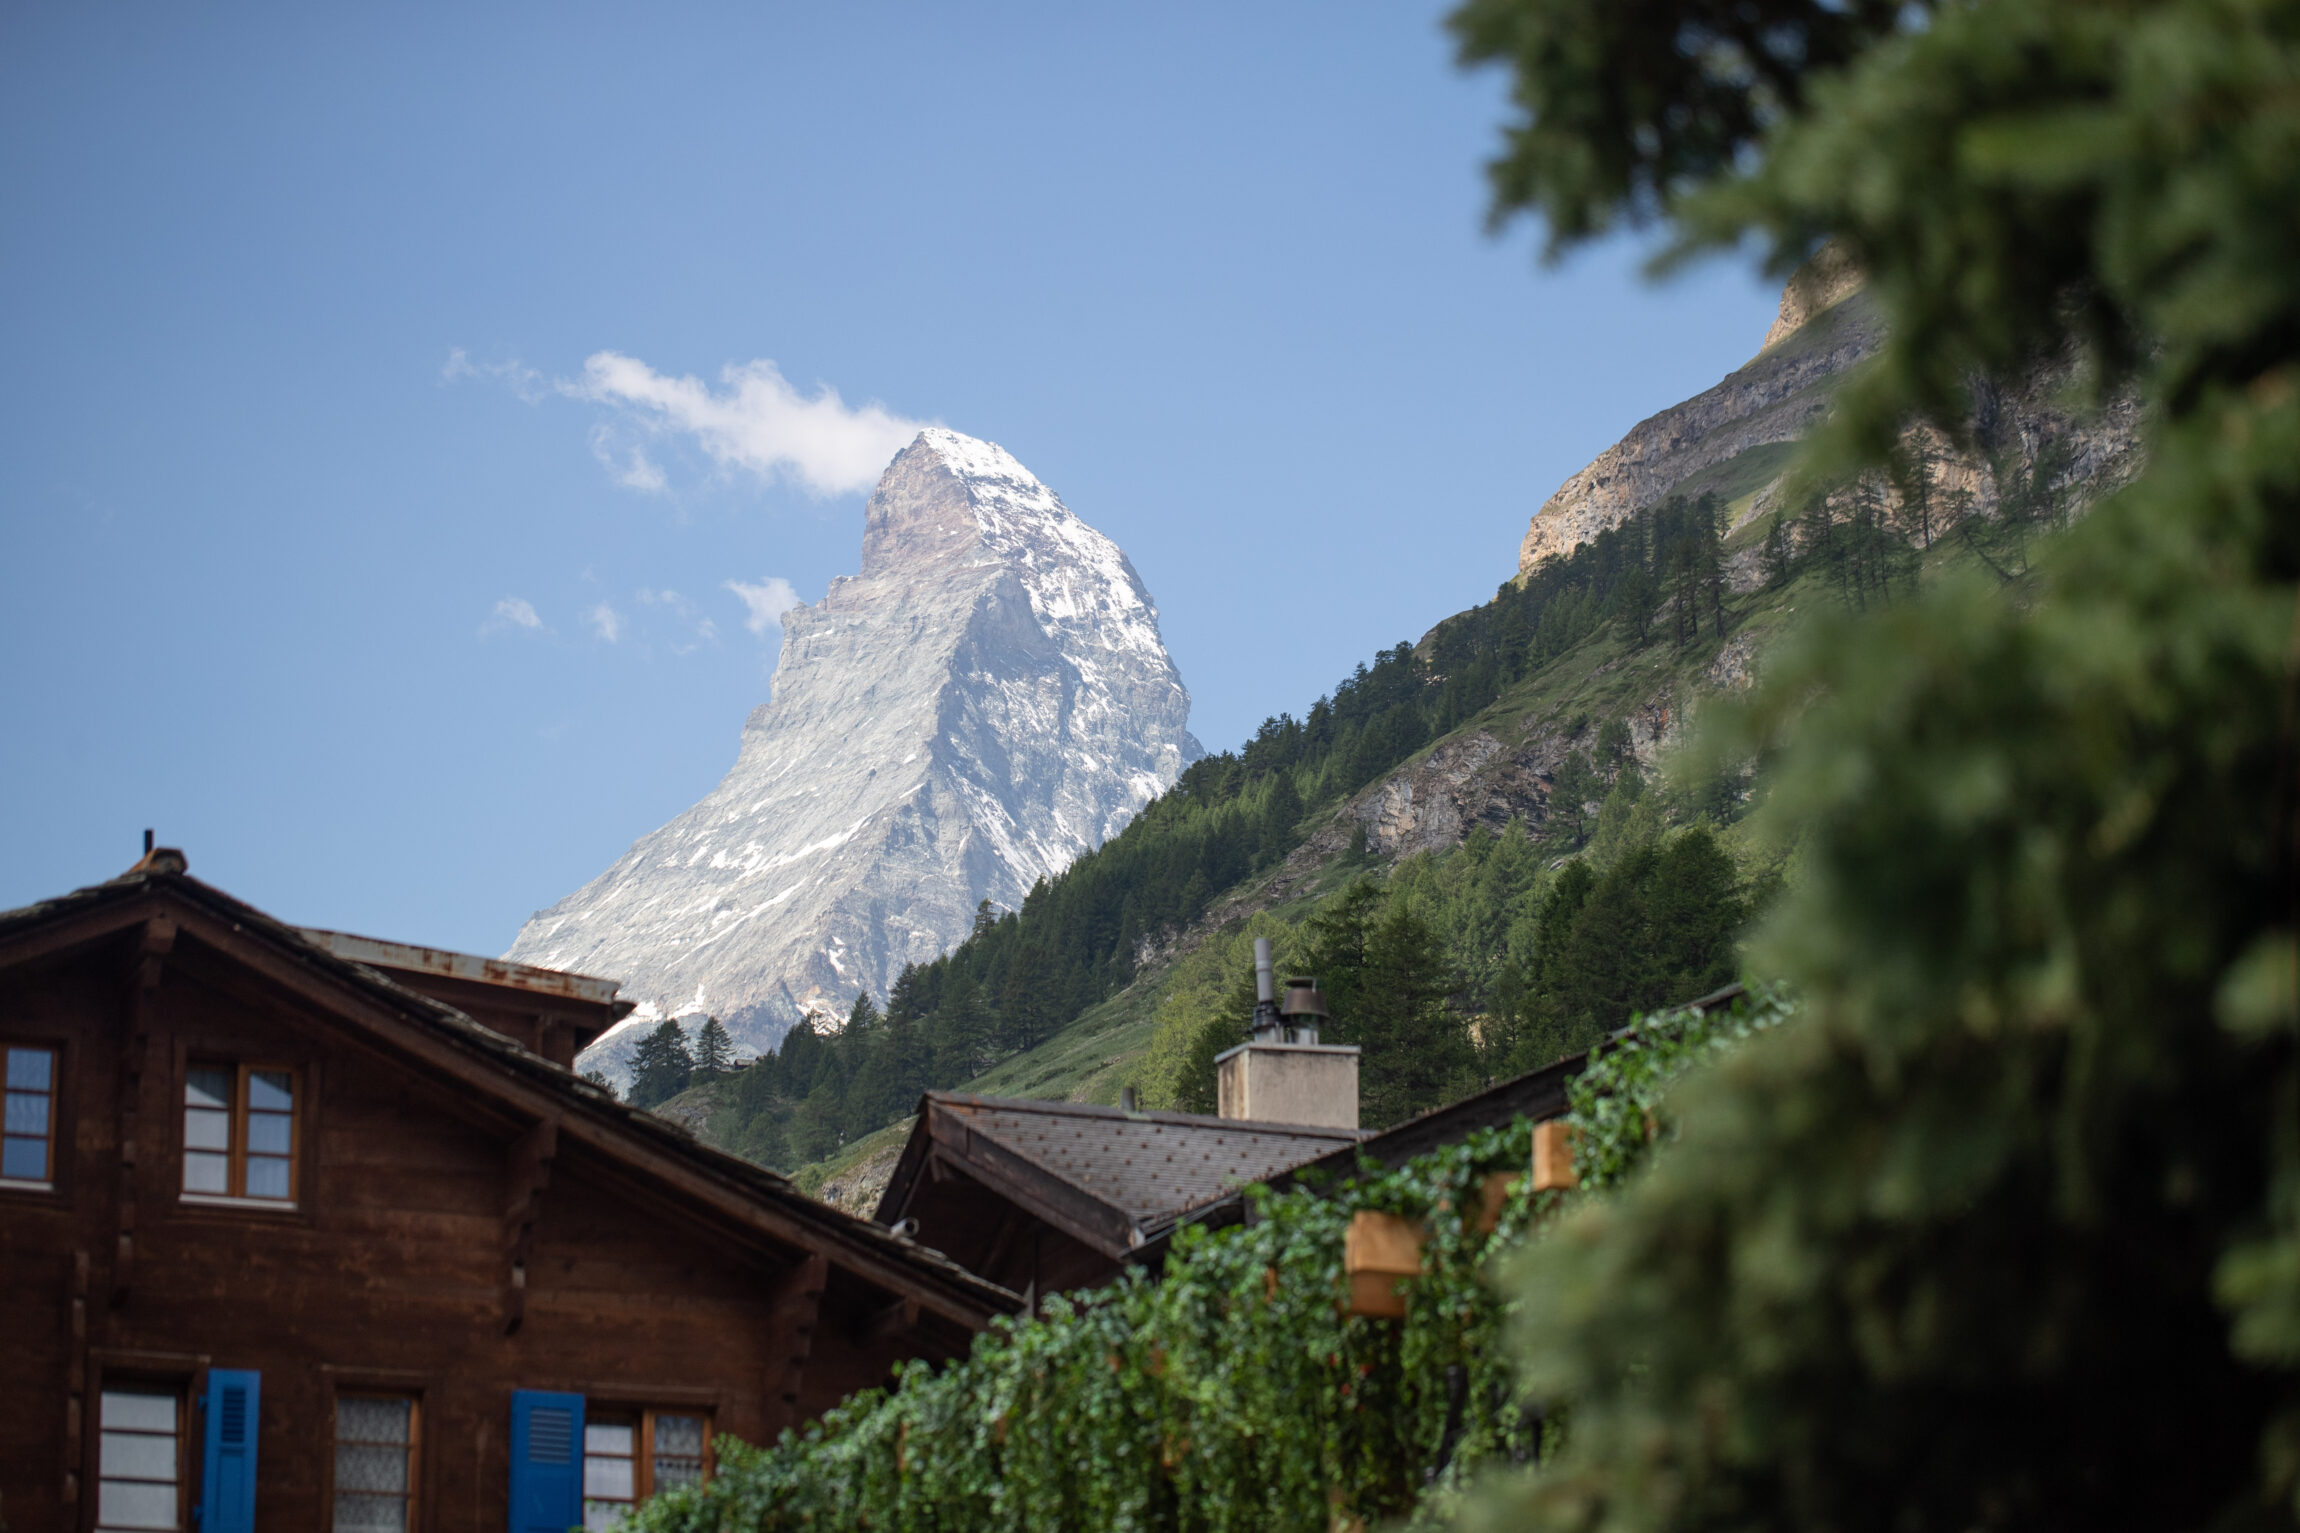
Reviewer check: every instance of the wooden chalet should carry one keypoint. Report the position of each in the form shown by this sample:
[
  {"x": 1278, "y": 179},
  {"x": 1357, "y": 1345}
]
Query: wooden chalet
[
  {"x": 302, "y": 1231},
  {"x": 1041, "y": 1197}
]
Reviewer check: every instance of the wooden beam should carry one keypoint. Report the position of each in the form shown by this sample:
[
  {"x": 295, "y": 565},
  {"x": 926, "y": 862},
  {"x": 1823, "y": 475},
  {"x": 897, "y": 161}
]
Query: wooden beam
[
  {"x": 146, "y": 965},
  {"x": 794, "y": 1306},
  {"x": 526, "y": 1172},
  {"x": 1080, "y": 1214},
  {"x": 901, "y": 1315},
  {"x": 75, "y": 1386}
]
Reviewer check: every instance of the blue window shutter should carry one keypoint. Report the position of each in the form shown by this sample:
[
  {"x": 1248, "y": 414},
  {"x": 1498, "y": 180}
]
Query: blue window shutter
[
  {"x": 546, "y": 1461},
  {"x": 228, "y": 1466}
]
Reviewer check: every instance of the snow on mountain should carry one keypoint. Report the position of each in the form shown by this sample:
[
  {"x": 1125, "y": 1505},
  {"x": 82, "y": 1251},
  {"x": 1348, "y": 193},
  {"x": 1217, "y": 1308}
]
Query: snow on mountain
[{"x": 985, "y": 701}]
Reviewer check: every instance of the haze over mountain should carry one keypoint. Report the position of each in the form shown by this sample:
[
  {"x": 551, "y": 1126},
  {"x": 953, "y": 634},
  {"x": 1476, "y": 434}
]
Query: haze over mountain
[{"x": 988, "y": 698}]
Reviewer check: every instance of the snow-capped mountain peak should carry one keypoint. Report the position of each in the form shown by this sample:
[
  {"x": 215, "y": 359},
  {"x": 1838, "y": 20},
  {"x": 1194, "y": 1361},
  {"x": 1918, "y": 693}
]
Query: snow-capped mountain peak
[{"x": 988, "y": 698}]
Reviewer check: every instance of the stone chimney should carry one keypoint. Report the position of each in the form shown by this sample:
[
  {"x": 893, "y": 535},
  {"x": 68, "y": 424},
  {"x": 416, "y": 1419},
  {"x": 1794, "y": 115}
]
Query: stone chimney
[{"x": 1282, "y": 1073}]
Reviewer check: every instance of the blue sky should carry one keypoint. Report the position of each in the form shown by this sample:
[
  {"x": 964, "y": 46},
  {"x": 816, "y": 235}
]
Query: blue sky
[{"x": 329, "y": 558}]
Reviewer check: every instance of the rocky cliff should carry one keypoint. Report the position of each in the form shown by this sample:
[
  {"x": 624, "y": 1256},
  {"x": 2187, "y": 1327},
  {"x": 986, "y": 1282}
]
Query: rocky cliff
[
  {"x": 1738, "y": 437},
  {"x": 1776, "y": 398},
  {"x": 987, "y": 699}
]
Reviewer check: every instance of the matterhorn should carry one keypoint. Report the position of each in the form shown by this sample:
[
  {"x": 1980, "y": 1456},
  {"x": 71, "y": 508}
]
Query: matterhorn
[{"x": 988, "y": 699}]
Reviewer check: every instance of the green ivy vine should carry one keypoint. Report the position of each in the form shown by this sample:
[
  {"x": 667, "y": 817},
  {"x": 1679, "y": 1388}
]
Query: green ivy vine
[{"x": 1232, "y": 1392}]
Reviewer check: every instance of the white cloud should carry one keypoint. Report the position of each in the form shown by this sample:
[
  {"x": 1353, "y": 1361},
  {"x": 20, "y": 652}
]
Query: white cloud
[
  {"x": 755, "y": 421},
  {"x": 513, "y": 612},
  {"x": 767, "y": 602},
  {"x": 629, "y": 467},
  {"x": 606, "y": 622},
  {"x": 514, "y": 374}
]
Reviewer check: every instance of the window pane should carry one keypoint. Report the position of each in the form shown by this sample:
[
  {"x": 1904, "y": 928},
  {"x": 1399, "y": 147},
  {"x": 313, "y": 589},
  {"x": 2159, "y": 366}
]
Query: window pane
[
  {"x": 133, "y": 1504},
  {"x": 27, "y": 1113},
  {"x": 678, "y": 1451},
  {"x": 206, "y": 1129},
  {"x": 367, "y": 1419},
  {"x": 608, "y": 1437},
  {"x": 270, "y": 1090},
  {"x": 206, "y": 1173},
  {"x": 604, "y": 1514},
  {"x": 208, "y": 1086},
  {"x": 610, "y": 1478},
  {"x": 24, "y": 1160},
  {"x": 370, "y": 1466},
  {"x": 140, "y": 1410},
  {"x": 268, "y": 1133},
  {"x": 139, "y": 1455},
  {"x": 136, "y": 1460},
  {"x": 370, "y": 1514},
  {"x": 267, "y": 1177},
  {"x": 29, "y": 1069}
]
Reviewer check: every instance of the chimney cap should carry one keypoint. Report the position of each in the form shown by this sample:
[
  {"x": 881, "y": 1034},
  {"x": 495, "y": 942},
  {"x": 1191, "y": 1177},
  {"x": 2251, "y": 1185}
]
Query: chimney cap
[{"x": 1303, "y": 999}]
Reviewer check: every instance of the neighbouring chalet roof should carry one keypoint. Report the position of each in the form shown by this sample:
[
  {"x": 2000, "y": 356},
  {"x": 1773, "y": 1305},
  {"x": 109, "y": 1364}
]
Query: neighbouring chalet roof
[
  {"x": 470, "y": 966},
  {"x": 1113, "y": 1179},
  {"x": 516, "y": 1084},
  {"x": 1535, "y": 1096}
]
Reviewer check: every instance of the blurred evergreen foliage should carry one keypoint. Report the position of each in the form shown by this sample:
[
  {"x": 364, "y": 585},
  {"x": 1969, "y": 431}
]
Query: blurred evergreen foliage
[{"x": 2004, "y": 1229}]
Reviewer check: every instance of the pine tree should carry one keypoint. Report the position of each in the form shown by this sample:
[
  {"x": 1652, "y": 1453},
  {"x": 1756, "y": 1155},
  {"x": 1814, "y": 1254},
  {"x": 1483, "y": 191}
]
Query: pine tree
[
  {"x": 1417, "y": 1051},
  {"x": 1778, "y": 558},
  {"x": 714, "y": 1051},
  {"x": 1569, "y": 795},
  {"x": 661, "y": 1065},
  {"x": 1026, "y": 1004}
]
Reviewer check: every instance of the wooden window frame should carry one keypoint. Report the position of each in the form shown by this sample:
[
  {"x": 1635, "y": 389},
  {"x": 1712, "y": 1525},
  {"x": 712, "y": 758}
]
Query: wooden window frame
[
  {"x": 55, "y": 1053},
  {"x": 236, "y": 1155},
  {"x": 414, "y": 1399},
  {"x": 642, "y": 1418},
  {"x": 127, "y": 1381}
]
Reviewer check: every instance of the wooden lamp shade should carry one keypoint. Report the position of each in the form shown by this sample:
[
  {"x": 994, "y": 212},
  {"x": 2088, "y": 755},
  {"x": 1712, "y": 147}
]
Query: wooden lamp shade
[
  {"x": 1552, "y": 1156},
  {"x": 1380, "y": 1252}
]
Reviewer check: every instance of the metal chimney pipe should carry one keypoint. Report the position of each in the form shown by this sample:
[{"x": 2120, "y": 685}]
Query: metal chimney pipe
[{"x": 1267, "y": 1026}]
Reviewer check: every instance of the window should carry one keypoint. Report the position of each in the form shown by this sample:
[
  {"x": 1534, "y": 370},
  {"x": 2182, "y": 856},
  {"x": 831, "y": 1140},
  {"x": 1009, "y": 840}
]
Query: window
[
  {"x": 239, "y": 1132},
  {"x": 374, "y": 1464},
  {"x": 139, "y": 1478},
  {"x": 629, "y": 1456},
  {"x": 28, "y": 1151}
]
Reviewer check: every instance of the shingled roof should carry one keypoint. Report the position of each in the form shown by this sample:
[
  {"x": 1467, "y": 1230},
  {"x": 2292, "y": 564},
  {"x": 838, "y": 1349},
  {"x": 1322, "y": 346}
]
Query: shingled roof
[{"x": 1110, "y": 1178}]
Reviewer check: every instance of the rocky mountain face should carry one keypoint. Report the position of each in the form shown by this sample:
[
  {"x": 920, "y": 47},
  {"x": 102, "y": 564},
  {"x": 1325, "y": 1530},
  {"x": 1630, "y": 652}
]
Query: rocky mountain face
[
  {"x": 986, "y": 700},
  {"x": 1737, "y": 438},
  {"x": 1776, "y": 398}
]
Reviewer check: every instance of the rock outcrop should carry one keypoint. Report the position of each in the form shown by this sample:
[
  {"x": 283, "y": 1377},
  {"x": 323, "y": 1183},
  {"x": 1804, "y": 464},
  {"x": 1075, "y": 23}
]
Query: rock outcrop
[
  {"x": 986, "y": 700},
  {"x": 1738, "y": 437},
  {"x": 1777, "y": 398}
]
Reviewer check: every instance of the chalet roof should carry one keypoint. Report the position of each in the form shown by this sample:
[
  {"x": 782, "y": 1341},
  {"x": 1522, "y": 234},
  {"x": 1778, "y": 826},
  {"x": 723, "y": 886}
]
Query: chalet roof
[
  {"x": 1112, "y": 1178},
  {"x": 519, "y": 1084}
]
